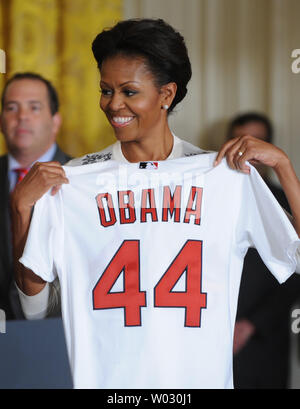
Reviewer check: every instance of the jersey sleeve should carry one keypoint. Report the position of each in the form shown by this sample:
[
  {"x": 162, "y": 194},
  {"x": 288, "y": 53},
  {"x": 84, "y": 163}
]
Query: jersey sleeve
[
  {"x": 264, "y": 225},
  {"x": 44, "y": 245}
]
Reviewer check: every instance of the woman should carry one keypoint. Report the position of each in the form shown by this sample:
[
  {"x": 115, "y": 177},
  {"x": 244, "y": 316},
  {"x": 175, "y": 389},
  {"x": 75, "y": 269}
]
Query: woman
[{"x": 144, "y": 70}]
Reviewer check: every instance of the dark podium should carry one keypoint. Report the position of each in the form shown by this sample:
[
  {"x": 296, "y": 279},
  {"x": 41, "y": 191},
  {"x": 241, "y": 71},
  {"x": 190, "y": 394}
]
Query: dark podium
[{"x": 33, "y": 355}]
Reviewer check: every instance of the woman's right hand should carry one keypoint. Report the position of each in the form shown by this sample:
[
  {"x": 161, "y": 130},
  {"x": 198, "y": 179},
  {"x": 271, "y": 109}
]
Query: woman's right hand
[{"x": 41, "y": 177}]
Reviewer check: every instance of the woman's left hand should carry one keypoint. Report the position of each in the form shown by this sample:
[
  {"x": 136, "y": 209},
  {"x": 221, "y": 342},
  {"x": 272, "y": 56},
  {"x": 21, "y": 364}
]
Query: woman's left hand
[{"x": 248, "y": 148}]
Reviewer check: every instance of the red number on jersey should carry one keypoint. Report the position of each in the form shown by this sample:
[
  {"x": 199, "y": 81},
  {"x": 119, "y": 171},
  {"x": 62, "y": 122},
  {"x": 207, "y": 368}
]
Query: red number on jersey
[
  {"x": 188, "y": 261},
  {"x": 126, "y": 261}
]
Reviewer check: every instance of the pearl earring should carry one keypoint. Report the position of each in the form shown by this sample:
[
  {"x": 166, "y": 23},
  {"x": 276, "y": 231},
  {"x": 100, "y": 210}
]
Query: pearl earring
[{"x": 166, "y": 107}]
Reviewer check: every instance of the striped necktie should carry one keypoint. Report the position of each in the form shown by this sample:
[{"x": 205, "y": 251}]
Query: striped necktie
[{"x": 20, "y": 172}]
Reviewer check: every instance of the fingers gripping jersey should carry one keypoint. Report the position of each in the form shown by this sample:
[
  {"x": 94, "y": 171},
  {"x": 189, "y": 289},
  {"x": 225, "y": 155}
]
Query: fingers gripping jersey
[{"x": 149, "y": 260}]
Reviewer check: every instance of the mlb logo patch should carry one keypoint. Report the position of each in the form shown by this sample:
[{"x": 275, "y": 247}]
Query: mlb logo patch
[{"x": 148, "y": 165}]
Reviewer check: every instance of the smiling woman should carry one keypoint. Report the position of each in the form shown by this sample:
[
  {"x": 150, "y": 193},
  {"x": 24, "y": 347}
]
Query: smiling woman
[
  {"x": 144, "y": 68},
  {"x": 133, "y": 105},
  {"x": 149, "y": 286}
]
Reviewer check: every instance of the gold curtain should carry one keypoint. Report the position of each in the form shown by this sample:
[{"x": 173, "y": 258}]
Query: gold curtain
[{"x": 53, "y": 38}]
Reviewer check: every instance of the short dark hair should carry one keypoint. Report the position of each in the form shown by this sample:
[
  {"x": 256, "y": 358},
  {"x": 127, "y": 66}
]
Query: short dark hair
[
  {"x": 246, "y": 118},
  {"x": 52, "y": 94},
  {"x": 160, "y": 45}
]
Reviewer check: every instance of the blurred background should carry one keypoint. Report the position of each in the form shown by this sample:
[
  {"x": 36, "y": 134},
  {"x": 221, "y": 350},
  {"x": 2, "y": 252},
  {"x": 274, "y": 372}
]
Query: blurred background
[
  {"x": 53, "y": 38},
  {"x": 241, "y": 54}
]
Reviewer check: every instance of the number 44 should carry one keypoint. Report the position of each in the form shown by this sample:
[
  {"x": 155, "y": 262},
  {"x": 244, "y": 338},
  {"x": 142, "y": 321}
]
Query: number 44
[{"x": 127, "y": 261}]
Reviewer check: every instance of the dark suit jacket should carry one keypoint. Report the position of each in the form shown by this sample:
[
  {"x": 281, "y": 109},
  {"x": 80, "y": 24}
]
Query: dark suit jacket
[
  {"x": 264, "y": 361},
  {"x": 9, "y": 299}
]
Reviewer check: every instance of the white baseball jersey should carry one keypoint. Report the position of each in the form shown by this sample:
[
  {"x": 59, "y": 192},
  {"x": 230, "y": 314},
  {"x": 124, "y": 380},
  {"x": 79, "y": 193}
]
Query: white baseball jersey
[
  {"x": 37, "y": 306},
  {"x": 149, "y": 258}
]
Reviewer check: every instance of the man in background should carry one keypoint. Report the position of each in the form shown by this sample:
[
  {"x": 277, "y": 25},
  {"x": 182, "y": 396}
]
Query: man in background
[
  {"x": 30, "y": 121},
  {"x": 262, "y": 329}
]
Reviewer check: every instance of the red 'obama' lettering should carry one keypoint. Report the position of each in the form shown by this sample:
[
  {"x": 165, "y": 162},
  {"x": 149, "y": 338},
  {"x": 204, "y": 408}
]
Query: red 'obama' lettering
[
  {"x": 171, "y": 204},
  {"x": 104, "y": 201},
  {"x": 194, "y": 205},
  {"x": 148, "y": 197},
  {"x": 169, "y": 207},
  {"x": 126, "y": 207}
]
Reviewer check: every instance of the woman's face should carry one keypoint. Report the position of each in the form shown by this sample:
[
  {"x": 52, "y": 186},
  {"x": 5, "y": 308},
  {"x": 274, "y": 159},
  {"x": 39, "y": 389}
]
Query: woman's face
[{"x": 130, "y": 99}]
